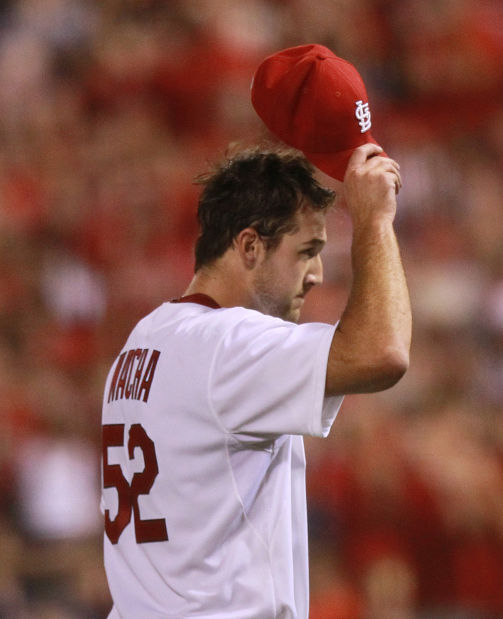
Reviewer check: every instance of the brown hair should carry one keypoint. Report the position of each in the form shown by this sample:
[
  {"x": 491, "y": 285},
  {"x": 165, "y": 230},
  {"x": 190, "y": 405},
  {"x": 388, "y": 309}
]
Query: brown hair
[{"x": 261, "y": 189}]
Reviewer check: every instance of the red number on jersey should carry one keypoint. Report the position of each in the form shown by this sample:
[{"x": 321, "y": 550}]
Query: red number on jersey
[
  {"x": 145, "y": 530},
  {"x": 113, "y": 436}
]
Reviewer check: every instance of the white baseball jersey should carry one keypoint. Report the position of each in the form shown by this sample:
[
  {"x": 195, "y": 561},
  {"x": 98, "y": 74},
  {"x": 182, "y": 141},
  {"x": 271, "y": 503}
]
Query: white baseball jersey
[{"x": 203, "y": 463}]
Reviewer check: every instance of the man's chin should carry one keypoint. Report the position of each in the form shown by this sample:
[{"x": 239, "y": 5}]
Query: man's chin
[
  {"x": 293, "y": 314},
  {"x": 295, "y": 317},
  {"x": 289, "y": 312}
]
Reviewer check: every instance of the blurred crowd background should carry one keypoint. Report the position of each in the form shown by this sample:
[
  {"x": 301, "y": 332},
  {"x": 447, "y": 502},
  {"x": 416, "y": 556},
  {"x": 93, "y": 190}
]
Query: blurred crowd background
[{"x": 108, "y": 110}]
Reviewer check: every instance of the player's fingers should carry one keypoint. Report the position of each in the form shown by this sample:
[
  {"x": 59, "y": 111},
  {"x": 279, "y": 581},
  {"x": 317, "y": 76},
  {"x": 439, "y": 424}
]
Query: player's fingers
[
  {"x": 397, "y": 178},
  {"x": 383, "y": 161},
  {"x": 398, "y": 184},
  {"x": 361, "y": 154},
  {"x": 395, "y": 168},
  {"x": 366, "y": 155},
  {"x": 386, "y": 164}
]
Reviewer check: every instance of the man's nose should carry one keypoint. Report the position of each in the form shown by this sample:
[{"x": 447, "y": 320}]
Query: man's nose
[{"x": 315, "y": 273}]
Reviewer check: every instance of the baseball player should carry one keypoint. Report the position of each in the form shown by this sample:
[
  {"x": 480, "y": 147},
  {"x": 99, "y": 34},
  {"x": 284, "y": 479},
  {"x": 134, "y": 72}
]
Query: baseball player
[{"x": 206, "y": 405}]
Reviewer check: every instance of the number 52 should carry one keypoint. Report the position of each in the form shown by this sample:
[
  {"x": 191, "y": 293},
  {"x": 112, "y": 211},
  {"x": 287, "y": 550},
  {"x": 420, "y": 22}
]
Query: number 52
[{"x": 154, "y": 530}]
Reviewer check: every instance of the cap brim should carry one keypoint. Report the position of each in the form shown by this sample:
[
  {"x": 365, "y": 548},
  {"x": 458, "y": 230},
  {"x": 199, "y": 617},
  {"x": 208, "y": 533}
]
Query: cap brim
[{"x": 335, "y": 164}]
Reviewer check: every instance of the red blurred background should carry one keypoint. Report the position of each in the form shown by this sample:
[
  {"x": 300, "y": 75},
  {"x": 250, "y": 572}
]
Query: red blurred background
[{"x": 108, "y": 110}]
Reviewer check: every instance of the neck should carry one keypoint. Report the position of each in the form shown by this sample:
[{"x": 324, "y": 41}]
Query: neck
[{"x": 220, "y": 285}]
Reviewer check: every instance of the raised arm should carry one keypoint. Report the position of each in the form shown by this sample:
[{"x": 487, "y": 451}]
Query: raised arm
[{"x": 370, "y": 347}]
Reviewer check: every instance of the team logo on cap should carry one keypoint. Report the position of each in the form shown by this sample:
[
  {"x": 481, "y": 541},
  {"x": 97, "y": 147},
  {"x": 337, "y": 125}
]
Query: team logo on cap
[{"x": 362, "y": 114}]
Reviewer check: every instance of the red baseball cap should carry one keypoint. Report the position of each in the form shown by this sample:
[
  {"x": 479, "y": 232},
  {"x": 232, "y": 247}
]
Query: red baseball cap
[{"x": 316, "y": 102}]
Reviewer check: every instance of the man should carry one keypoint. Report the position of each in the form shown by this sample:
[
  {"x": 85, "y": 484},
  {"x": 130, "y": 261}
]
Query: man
[{"x": 206, "y": 405}]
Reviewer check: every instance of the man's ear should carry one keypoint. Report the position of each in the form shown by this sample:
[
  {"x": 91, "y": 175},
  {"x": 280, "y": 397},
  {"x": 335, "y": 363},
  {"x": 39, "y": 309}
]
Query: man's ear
[{"x": 250, "y": 247}]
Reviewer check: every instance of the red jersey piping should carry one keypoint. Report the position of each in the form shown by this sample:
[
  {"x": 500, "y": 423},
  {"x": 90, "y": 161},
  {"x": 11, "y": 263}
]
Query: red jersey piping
[{"x": 198, "y": 297}]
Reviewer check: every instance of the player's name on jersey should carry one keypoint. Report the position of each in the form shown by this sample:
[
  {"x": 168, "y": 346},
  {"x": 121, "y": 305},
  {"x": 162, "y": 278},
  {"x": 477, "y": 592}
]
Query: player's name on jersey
[{"x": 133, "y": 374}]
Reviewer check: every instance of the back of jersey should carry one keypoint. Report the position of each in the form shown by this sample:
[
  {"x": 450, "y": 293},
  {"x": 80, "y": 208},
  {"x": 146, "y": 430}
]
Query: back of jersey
[
  {"x": 200, "y": 508},
  {"x": 161, "y": 466}
]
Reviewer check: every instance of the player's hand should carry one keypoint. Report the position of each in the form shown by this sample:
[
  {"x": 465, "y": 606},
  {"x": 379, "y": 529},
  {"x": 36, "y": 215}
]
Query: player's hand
[{"x": 370, "y": 185}]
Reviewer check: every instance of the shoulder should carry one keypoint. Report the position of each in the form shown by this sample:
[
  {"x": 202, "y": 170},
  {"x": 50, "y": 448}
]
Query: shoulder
[{"x": 192, "y": 321}]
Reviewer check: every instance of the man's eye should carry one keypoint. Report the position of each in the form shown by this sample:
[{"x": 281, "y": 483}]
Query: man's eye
[{"x": 310, "y": 253}]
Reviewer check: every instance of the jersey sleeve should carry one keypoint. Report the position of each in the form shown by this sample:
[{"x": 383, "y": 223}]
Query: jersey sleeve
[{"x": 268, "y": 378}]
